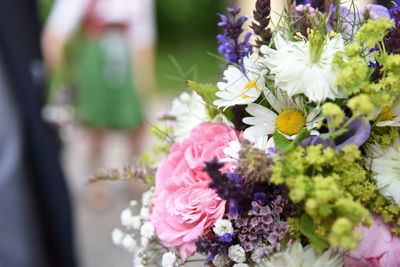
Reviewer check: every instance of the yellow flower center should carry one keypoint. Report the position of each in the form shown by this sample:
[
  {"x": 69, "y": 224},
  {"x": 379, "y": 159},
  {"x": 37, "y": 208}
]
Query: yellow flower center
[
  {"x": 386, "y": 114},
  {"x": 290, "y": 121},
  {"x": 248, "y": 86}
]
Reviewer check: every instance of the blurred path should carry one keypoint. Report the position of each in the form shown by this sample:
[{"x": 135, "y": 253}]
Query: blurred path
[{"x": 94, "y": 224}]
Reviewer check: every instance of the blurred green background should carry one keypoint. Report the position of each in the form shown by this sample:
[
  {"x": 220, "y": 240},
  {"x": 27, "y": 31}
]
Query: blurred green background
[{"x": 186, "y": 35}]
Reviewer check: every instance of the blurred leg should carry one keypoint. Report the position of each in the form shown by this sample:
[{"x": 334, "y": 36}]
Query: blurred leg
[{"x": 137, "y": 139}]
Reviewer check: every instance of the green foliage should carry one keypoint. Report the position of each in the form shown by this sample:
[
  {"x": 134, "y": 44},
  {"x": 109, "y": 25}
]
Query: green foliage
[
  {"x": 318, "y": 179},
  {"x": 373, "y": 32},
  {"x": 383, "y": 136},
  {"x": 308, "y": 229},
  {"x": 352, "y": 69},
  {"x": 187, "y": 21},
  {"x": 361, "y": 105},
  {"x": 282, "y": 143},
  {"x": 335, "y": 113}
]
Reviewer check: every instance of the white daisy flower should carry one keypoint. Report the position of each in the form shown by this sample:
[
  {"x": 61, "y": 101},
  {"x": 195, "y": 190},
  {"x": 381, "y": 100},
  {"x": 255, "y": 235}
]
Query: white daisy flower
[
  {"x": 389, "y": 117},
  {"x": 385, "y": 166},
  {"x": 240, "y": 88},
  {"x": 297, "y": 256},
  {"x": 287, "y": 116},
  {"x": 300, "y": 68},
  {"x": 189, "y": 111}
]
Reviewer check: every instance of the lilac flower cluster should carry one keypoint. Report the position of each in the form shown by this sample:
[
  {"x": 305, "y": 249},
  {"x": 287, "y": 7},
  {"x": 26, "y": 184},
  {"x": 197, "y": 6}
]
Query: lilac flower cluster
[
  {"x": 257, "y": 211},
  {"x": 259, "y": 231},
  {"x": 262, "y": 227},
  {"x": 229, "y": 44}
]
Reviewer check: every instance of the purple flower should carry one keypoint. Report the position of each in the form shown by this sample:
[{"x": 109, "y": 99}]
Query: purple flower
[
  {"x": 395, "y": 12},
  {"x": 357, "y": 134},
  {"x": 316, "y": 140},
  {"x": 225, "y": 238},
  {"x": 229, "y": 44},
  {"x": 317, "y": 4},
  {"x": 373, "y": 11}
]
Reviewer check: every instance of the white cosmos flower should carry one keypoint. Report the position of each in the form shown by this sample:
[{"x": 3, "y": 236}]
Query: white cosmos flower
[
  {"x": 389, "y": 117},
  {"x": 297, "y": 72},
  {"x": 241, "y": 88},
  {"x": 286, "y": 115},
  {"x": 385, "y": 166},
  {"x": 297, "y": 256}
]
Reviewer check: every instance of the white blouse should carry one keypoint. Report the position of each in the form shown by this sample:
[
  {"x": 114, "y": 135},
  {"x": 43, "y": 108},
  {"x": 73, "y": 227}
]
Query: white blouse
[{"x": 67, "y": 15}]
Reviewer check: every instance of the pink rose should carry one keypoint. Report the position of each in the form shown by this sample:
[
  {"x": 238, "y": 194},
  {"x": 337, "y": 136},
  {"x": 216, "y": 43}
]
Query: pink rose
[
  {"x": 379, "y": 247},
  {"x": 184, "y": 206}
]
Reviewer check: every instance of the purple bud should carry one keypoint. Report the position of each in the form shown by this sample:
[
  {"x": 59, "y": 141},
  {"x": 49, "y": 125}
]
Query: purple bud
[{"x": 225, "y": 238}]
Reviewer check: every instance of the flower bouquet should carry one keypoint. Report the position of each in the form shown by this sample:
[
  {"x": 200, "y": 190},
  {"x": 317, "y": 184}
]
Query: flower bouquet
[{"x": 292, "y": 159}]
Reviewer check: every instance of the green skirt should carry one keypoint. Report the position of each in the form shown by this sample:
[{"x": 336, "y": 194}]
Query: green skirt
[{"x": 106, "y": 97}]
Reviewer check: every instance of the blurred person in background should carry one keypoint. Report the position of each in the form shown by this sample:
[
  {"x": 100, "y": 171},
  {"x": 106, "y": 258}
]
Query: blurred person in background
[
  {"x": 35, "y": 214},
  {"x": 113, "y": 63}
]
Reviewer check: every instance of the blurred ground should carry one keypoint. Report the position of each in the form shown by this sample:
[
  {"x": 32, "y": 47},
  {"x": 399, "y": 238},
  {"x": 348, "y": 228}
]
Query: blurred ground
[{"x": 94, "y": 223}]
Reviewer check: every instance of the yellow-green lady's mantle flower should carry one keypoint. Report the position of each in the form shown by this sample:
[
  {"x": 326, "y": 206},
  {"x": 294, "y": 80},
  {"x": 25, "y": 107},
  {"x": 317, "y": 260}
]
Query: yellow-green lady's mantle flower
[{"x": 305, "y": 67}]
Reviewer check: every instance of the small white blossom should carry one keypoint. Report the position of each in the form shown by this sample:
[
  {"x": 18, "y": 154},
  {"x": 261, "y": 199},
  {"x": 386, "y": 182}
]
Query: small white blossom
[
  {"x": 237, "y": 253},
  {"x": 222, "y": 227},
  {"x": 220, "y": 260},
  {"x": 144, "y": 241},
  {"x": 136, "y": 222},
  {"x": 117, "y": 236},
  {"x": 138, "y": 259},
  {"x": 130, "y": 221},
  {"x": 129, "y": 243},
  {"x": 147, "y": 230},
  {"x": 258, "y": 253},
  {"x": 133, "y": 203},
  {"x": 240, "y": 265},
  {"x": 126, "y": 216},
  {"x": 147, "y": 197},
  {"x": 145, "y": 213},
  {"x": 168, "y": 259}
]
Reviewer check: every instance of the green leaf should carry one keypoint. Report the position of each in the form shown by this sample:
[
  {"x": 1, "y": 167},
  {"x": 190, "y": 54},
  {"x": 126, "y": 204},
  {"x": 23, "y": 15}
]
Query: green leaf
[
  {"x": 281, "y": 142},
  {"x": 307, "y": 228},
  {"x": 284, "y": 144},
  {"x": 207, "y": 93}
]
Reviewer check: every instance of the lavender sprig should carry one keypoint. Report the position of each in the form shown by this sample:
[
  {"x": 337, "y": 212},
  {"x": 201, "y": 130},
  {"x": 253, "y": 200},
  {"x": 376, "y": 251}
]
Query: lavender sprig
[
  {"x": 392, "y": 40},
  {"x": 229, "y": 44},
  {"x": 261, "y": 21}
]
